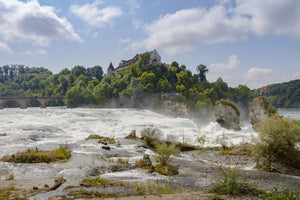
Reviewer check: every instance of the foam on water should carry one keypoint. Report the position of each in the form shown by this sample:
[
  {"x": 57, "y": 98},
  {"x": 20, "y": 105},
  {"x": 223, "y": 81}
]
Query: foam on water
[{"x": 48, "y": 128}]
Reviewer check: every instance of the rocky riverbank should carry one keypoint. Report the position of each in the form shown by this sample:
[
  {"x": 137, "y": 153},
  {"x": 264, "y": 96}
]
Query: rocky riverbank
[{"x": 116, "y": 166}]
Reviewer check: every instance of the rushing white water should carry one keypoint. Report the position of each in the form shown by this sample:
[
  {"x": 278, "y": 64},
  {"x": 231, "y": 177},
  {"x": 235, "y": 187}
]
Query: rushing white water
[{"x": 50, "y": 127}]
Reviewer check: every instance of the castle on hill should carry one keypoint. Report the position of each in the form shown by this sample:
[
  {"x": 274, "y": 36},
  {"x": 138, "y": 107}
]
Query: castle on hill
[{"x": 155, "y": 59}]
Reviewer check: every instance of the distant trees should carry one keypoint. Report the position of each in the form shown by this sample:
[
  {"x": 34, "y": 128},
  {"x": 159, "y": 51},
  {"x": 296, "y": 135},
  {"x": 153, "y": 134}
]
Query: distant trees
[{"x": 283, "y": 95}]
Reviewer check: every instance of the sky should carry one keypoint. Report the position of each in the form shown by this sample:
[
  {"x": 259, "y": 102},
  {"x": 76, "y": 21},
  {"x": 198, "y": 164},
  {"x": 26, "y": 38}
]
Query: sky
[{"x": 249, "y": 42}]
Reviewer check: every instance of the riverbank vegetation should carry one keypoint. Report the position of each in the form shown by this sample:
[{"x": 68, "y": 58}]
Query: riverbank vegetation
[
  {"x": 277, "y": 141},
  {"x": 39, "y": 156}
]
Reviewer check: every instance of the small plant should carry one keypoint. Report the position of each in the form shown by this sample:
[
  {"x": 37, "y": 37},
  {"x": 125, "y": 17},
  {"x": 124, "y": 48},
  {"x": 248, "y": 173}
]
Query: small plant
[
  {"x": 122, "y": 161},
  {"x": 224, "y": 143},
  {"x": 102, "y": 139},
  {"x": 201, "y": 140},
  {"x": 3, "y": 134}
]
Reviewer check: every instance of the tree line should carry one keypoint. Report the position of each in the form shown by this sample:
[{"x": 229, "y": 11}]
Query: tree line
[
  {"x": 139, "y": 85},
  {"x": 283, "y": 95}
]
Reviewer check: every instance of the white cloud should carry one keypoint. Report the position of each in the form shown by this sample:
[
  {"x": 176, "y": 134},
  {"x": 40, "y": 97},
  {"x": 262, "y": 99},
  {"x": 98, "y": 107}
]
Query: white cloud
[
  {"x": 4, "y": 47},
  {"x": 29, "y": 21},
  {"x": 95, "y": 17},
  {"x": 280, "y": 17},
  {"x": 257, "y": 73},
  {"x": 179, "y": 32},
  {"x": 36, "y": 52},
  {"x": 232, "y": 63},
  {"x": 257, "y": 77},
  {"x": 134, "y": 5}
]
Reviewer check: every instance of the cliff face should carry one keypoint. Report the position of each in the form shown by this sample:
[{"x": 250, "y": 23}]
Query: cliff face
[{"x": 227, "y": 116}]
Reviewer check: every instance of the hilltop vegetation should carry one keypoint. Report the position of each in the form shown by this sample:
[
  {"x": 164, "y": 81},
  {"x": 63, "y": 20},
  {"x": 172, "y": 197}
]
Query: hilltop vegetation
[
  {"x": 284, "y": 95},
  {"x": 140, "y": 85}
]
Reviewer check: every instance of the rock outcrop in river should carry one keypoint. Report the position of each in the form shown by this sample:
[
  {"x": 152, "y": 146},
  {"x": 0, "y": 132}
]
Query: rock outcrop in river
[
  {"x": 227, "y": 114},
  {"x": 260, "y": 110}
]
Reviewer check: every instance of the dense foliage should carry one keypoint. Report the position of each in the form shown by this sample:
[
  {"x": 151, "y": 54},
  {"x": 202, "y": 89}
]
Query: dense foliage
[
  {"x": 283, "y": 95},
  {"x": 140, "y": 85},
  {"x": 277, "y": 141}
]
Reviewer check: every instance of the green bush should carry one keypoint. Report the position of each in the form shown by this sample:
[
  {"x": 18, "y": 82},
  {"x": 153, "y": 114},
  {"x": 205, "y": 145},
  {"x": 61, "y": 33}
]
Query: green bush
[
  {"x": 277, "y": 142},
  {"x": 38, "y": 156},
  {"x": 164, "y": 153}
]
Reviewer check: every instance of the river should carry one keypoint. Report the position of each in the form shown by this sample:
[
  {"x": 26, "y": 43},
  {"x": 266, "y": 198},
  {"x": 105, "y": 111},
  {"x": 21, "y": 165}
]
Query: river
[{"x": 50, "y": 127}]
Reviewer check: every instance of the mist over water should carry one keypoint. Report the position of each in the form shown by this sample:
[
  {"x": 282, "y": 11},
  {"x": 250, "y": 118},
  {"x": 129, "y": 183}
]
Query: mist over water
[{"x": 50, "y": 127}]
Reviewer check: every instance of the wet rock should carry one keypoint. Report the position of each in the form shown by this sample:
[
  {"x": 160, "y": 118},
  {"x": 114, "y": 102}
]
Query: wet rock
[
  {"x": 119, "y": 168},
  {"x": 261, "y": 110},
  {"x": 106, "y": 147},
  {"x": 93, "y": 172},
  {"x": 132, "y": 135},
  {"x": 147, "y": 160},
  {"x": 227, "y": 115}
]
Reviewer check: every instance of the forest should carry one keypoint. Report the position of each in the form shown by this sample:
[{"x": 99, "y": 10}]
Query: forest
[
  {"x": 284, "y": 95},
  {"x": 139, "y": 86}
]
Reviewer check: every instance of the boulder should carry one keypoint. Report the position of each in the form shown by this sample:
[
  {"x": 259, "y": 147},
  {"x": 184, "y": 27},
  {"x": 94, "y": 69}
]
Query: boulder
[
  {"x": 227, "y": 115},
  {"x": 260, "y": 110}
]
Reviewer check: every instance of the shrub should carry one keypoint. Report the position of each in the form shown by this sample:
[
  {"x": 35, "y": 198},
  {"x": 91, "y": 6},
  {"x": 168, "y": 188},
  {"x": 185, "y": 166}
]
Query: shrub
[
  {"x": 277, "y": 142},
  {"x": 164, "y": 153}
]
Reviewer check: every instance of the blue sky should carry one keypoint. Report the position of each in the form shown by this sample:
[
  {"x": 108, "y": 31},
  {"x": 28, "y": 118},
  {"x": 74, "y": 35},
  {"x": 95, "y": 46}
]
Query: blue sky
[{"x": 252, "y": 42}]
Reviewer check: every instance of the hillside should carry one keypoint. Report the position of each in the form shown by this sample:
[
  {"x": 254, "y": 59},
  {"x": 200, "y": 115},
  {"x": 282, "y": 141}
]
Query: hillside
[{"x": 284, "y": 95}]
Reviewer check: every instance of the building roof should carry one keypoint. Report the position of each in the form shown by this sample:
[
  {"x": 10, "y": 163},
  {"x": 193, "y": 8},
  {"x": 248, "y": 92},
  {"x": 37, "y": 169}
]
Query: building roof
[
  {"x": 124, "y": 63},
  {"x": 111, "y": 66}
]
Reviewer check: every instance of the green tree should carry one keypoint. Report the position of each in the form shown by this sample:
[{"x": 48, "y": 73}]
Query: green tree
[
  {"x": 95, "y": 72},
  {"x": 144, "y": 60},
  {"x": 79, "y": 70},
  {"x": 202, "y": 70}
]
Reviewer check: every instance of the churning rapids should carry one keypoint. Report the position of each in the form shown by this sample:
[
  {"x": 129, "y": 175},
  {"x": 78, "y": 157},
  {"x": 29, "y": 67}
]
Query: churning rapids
[{"x": 50, "y": 127}]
